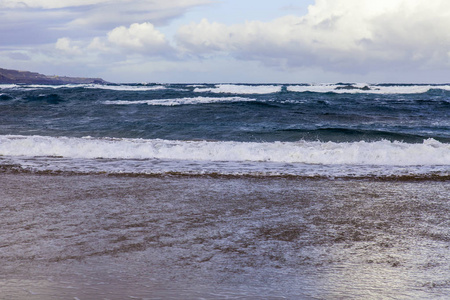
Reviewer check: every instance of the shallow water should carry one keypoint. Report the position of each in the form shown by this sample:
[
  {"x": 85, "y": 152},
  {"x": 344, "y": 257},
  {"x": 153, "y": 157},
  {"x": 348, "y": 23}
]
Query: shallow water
[{"x": 181, "y": 237}]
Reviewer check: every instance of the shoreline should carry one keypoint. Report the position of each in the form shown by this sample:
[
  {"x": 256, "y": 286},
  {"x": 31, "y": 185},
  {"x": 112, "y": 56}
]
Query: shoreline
[
  {"x": 17, "y": 170},
  {"x": 93, "y": 236}
]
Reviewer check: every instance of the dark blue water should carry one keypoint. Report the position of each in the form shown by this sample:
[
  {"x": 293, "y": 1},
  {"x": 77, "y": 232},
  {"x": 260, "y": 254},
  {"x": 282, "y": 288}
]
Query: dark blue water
[
  {"x": 378, "y": 116},
  {"x": 280, "y": 116}
]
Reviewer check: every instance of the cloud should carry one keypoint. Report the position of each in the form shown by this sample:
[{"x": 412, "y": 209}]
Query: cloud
[
  {"x": 48, "y": 4},
  {"x": 19, "y": 56},
  {"x": 344, "y": 35},
  {"x": 143, "y": 38},
  {"x": 113, "y": 13},
  {"x": 82, "y": 18},
  {"x": 66, "y": 45},
  {"x": 335, "y": 37}
]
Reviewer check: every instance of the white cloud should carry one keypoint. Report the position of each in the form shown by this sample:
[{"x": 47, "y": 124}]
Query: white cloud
[
  {"x": 81, "y": 17},
  {"x": 142, "y": 38},
  {"x": 357, "y": 35},
  {"x": 66, "y": 46},
  {"x": 98, "y": 44},
  {"x": 48, "y": 4},
  {"x": 124, "y": 12},
  {"x": 80, "y": 27},
  {"x": 392, "y": 38}
]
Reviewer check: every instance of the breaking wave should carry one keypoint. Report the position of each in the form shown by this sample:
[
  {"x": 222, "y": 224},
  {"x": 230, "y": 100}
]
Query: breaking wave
[
  {"x": 362, "y": 88},
  {"x": 179, "y": 101},
  {"x": 256, "y": 89},
  {"x": 240, "y": 89},
  {"x": 430, "y": 152},
  {"x": 134, "y": 88},
  {"x": 123, "y": 87},
  {"x": 140, "y": 157}
]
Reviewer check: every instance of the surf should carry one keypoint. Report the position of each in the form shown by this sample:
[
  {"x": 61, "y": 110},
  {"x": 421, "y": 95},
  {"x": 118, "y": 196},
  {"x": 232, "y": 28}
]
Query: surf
[{"x": 429, "y": 152}]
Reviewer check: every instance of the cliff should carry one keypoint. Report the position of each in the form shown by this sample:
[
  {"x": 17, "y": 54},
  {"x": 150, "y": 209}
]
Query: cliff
[{"x": 14, "y": 76}]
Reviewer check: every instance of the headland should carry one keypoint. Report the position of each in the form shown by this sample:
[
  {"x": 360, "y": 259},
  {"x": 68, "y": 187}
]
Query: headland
[{"x": 26, "y": 77}]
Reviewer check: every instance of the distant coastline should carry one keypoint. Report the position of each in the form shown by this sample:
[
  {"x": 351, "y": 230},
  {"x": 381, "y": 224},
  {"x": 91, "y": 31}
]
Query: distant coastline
[{"x": 26, "y": 77}]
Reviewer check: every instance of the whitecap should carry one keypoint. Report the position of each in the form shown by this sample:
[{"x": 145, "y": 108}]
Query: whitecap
[
  {"x": 240, "y": 89},
  {"x": 179, "y": 101},
  {"x": 8, "y": 86},
  {"x": 430, "y": 152},
  {"x": 40, "y": 86},
  {"x": 136, "y": 88},
  {"x": 362, "y": 88}
]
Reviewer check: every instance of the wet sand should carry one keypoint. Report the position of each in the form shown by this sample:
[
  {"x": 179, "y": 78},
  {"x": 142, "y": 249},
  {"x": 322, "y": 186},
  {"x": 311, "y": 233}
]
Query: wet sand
[{"x": 101, "y": 237}]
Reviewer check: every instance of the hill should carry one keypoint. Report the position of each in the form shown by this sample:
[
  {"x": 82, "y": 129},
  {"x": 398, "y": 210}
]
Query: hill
[{"x": 26, "y": 77}]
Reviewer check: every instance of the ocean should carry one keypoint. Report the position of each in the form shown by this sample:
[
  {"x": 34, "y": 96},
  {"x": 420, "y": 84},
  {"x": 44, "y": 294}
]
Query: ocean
[{"x": 225, "y": 191}]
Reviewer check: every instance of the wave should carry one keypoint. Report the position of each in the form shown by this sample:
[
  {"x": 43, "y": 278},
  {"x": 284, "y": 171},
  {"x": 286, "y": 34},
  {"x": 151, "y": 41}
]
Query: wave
[
  {"x": 240, "y": 89},
  {"x": 159, "y": 169},
  {"x": 179, "y": 101},
  {"x": 29, "y": 87},
  {"x": 131, "y": 88},
  {"x": 256, "y": 89},
  {"x": 8, "y": 86},
  {"x": 362, "y": 88},
  {"x": 123, "y": 87},
  {"x": 5, "y": 97},
  {"x": 351, "y": 134},
  {"x": 430, "y": 152}
]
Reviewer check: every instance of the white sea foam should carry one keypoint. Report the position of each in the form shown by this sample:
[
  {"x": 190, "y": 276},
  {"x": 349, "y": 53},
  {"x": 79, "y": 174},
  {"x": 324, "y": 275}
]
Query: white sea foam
[
  {"x": 132, "y": 88},
  {"x": 361, "y": 88},
  {"x": 41, "y": 86},
  {"x": 357, "y": 88},
  {"x": 50, "y": 86},
  {"x": 135, "y": 88},
  {"x": 180, "y": 101},
  {"x": 8, "y": 86},
  {"x": 240, "y": 89},
  {"x": 430, "y": 152}
]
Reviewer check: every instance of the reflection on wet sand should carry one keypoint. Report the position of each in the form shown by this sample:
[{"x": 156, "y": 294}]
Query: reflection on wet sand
[{"x": 102, "y": 237}]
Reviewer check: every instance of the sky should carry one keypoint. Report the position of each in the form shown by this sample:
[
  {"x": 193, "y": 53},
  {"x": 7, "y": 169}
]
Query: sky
[{"x": 229, "y": 41}]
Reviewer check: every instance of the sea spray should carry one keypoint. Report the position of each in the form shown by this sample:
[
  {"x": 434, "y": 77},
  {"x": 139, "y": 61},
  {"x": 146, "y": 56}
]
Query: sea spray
[{"x": 430, "y": 152}]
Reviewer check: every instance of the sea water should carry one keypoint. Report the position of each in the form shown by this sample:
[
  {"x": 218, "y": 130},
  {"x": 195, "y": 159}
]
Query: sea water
[
  {"x": 224, "y": 191},
  {"x": 338, "y": 130}
]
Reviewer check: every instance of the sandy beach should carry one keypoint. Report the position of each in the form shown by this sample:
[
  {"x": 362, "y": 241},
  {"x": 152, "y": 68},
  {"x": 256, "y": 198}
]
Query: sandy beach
[{"x": 169, "y": 237}]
